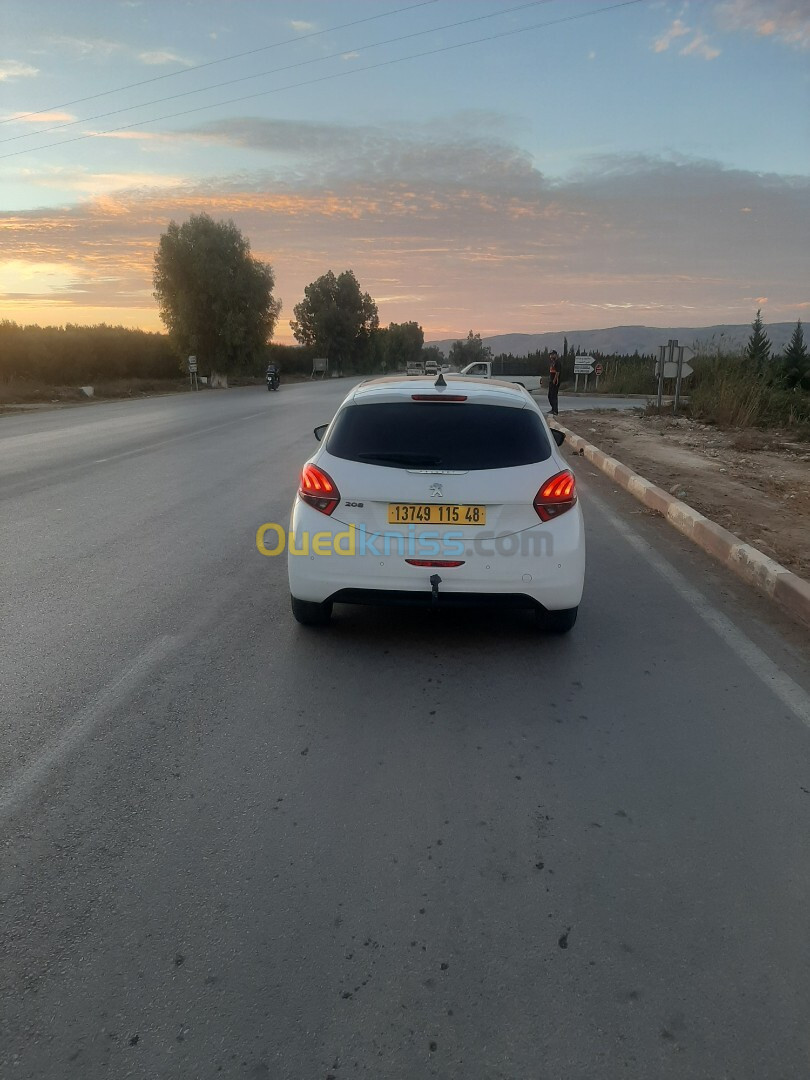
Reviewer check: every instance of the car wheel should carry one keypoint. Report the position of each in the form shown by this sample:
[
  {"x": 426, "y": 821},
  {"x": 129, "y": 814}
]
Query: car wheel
[
  {"x": 557, "y": 622},
  {"x": 309, "y": 613}
]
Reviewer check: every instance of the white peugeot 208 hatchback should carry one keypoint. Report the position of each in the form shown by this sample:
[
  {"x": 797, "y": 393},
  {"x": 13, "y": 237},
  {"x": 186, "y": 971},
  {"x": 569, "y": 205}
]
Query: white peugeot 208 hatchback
[{"x": 426, "y": 491}]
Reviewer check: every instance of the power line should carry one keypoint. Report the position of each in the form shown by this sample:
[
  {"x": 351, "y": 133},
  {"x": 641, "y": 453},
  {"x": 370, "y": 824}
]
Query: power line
[
  {"x": 222, "y": 60},
  {"x": 328, "y": 78},
  {"x": 275, "y": 71}
]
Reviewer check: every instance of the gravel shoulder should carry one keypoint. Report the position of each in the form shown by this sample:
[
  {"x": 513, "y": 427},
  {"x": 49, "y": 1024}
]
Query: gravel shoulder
[{"x": 752, "y": 482}]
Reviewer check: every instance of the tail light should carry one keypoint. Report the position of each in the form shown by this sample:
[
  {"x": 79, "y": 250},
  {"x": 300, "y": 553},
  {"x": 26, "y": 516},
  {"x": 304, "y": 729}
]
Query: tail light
[
  {"x": 441, "y": 399},
  {"x": 435, "y": 562},
  {"x": 318, "y": 489},
  {"x": 556, "y": 496}
]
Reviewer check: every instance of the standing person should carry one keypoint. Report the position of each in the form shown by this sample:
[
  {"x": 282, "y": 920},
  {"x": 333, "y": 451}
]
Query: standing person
[{"x": 553, "y": 380}]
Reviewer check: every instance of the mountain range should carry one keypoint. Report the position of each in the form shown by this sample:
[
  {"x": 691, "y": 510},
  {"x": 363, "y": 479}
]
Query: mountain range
[{"x": 624, "y": 340}]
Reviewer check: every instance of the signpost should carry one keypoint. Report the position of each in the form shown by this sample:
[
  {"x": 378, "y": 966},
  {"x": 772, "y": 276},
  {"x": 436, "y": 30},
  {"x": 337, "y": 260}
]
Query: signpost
[
  {"x": 192, "y": 373},
  {"x": 583, "y": 365},
  {"x": 671, "y": 365},
  {"x": 598, "y": 371}
]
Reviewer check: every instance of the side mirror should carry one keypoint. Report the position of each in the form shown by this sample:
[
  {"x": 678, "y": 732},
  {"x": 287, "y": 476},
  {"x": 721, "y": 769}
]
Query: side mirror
[
  {"x": 559, "y": 436},
  {"x": 320, "y": 431}
]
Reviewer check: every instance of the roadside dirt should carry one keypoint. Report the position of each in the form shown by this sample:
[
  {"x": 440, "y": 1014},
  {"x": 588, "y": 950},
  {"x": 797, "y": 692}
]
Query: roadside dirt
[{"x": 754, "y": 483}]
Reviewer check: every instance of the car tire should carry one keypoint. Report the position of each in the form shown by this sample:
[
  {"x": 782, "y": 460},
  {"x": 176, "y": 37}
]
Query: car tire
[
  {"x": 309, "y": 613},
  {"x": 557, "y": 622}
]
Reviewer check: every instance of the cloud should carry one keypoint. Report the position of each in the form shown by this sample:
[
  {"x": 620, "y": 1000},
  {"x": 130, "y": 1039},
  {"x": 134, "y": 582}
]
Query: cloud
[
  {"x": 41, "y": 118},
  {"x": 35, "y": 278},
  {"x": 451, "y": 229},
  {"x": 786, "y": 21},
  {"x": 301, "y": 27},
  {"x": 162, "y": 56},
  {"x": 676, "y": 30},
  {"x": 84, "y": 47},
  {"x": 699, "y": 46},
  {"x": 135, "y": 136},
  {"x": 443, "y": 153},
  {"x": 16, "y": 69},
  {"x": 84, "y": 182}
]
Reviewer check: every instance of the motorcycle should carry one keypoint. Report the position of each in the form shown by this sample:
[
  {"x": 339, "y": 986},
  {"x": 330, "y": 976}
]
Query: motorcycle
[{"x": 273, "y": 378}]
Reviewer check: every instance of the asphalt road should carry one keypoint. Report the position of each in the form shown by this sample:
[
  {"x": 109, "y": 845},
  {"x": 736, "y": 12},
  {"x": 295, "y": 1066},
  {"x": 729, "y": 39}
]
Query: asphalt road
[{"x": 405, "y": 847}]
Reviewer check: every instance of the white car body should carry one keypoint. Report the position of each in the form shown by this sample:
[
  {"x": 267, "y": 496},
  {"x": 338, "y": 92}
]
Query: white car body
[
  {"x": 516, "y": 559},
  {"x": 482, "y": 369}
]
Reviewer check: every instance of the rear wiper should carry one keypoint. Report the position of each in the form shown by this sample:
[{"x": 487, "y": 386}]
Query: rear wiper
[{"x": 402, "y": 458}]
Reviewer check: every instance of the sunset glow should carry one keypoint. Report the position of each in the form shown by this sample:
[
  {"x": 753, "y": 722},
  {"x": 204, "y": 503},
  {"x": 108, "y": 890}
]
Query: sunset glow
[{"x": 538, "y": 197}]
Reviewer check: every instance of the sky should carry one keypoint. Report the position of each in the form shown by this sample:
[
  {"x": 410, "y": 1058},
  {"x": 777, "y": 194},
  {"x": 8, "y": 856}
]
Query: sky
[{"x": 480, "y": 165}]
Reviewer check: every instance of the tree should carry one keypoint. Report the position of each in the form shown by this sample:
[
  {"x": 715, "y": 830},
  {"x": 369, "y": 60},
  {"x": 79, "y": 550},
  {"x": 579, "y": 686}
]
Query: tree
[
  {"x": 432, "y": 352},
  {"x": 469, "y": 351},
  {"x": 404, "y": 343},
  {"x": 795, "y": 367},
  {"x": 337, "y": 318},
  {"x": 758, "y": 350},
  {"x": 215, "y": 298}
]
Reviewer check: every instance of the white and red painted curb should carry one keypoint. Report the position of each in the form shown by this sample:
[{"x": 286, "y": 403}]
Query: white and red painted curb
[{"x": 788, "y": 590}]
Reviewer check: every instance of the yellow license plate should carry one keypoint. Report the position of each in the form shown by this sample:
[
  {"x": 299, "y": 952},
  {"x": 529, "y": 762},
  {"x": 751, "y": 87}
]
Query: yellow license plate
[{"x": 435, "y": 514}]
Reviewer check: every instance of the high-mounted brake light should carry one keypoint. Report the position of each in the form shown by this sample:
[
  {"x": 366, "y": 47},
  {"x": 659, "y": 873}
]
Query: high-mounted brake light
[
  {"x": 318, "y": 489},
  {"x": 556, "y": 496},
  {"x": 435, "y": 562},
  {"x": 438, "y": 397}
]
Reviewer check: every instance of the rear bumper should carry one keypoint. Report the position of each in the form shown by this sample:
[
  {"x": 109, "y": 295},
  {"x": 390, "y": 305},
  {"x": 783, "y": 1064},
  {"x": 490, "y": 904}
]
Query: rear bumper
[
  {"x": 397, "y": 598},
  {"x": 540, "y": 567}
]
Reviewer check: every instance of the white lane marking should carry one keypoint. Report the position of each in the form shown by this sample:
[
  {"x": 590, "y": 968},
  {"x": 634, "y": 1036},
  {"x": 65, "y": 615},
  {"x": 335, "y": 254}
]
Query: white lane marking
[
  {"x": 770, "y": 674},
  {"x": 31, "y": 776}
]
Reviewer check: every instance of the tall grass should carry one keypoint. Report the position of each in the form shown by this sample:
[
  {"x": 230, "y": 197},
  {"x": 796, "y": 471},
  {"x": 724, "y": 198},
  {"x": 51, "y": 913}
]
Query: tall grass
[
  {"x": 626, "y": 375},
  {"x": 725, "y": 391}
]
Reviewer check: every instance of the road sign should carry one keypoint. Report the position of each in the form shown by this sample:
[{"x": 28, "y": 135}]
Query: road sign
[
  {"x": 583, "y": 365},
  {"x": 598, "y": 369},
  {"x": 671, "y": 369},
  {"x": 192, "y": 365}
]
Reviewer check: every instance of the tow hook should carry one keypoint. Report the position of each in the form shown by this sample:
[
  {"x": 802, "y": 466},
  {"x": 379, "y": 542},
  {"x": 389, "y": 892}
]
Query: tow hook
[{"x": 435, "y": 581}]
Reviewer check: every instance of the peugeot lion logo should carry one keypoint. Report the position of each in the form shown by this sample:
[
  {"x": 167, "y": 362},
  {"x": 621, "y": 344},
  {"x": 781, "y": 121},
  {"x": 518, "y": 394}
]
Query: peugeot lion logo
[{"x": 436, "y": 491}]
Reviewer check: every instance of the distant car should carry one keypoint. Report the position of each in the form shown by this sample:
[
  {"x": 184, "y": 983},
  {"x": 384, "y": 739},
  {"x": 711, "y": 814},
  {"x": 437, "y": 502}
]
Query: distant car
[
  {"x": 431, "y": 367},
  {"x": 451, "y": 494}
]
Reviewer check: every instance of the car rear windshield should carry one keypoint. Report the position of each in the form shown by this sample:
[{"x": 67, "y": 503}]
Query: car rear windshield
[{"x": 422, "y": 435}]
